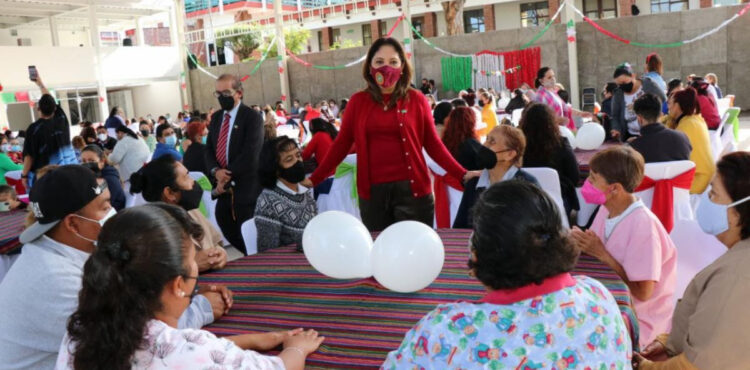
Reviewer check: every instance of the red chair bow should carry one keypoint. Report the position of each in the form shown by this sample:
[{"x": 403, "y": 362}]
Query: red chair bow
[
  {"x": 663, "y": 203},
  {"x": 442, "y": 199}
]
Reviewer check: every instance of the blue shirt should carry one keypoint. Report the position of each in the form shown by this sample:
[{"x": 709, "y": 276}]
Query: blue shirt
[{"x": 164, "y": 149}]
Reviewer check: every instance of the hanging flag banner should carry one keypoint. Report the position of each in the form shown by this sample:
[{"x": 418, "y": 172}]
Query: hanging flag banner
[{"x": 570, "y": 31}]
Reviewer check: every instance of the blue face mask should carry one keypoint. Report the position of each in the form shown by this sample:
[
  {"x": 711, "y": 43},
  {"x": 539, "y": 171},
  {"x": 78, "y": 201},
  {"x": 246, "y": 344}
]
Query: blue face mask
[
  {"x": 16, "y": 148},
  {"x": 203, "y": 140},
  {"x": 170, "y": 140},
  {"x": 712, "y": 217}
]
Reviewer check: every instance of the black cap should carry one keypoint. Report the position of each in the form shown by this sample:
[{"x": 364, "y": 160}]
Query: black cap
[{"x": 58, "y": 193}]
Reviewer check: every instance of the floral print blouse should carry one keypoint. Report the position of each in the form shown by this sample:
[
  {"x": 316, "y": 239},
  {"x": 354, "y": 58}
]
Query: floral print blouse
[
  {"x": 168, "y": 348},
  {"x": 564, "y": 323}
]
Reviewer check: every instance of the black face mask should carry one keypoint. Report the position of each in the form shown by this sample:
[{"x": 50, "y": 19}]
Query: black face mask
[
  {"x": 487, "y": 158},
  {"x": 294, "y": 174},
  {"x": 481, "y": 103},
  {"x": 191, "y": 199},
  {"x": 145, "y": 133},
  {"x": 93, "y": 166},
  {"x": 628, "y": 87},
  {"x": 226, "y": 102}
]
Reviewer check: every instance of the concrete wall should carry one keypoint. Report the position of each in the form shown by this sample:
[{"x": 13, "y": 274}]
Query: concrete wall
[
  {"x": 157, "y": 98},
  {"x": 722, "y": 53}
]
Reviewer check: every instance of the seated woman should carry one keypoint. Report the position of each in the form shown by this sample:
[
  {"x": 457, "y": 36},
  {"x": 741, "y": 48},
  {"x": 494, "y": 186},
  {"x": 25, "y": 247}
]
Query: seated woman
[
  {"x": 684, "y": 115},
  {"x": 145, "y": 254},
  {"x": 460, "y": 138},
  {"x": 708, "y": 320},
  {"x": 628, "y": 238},
  {"x": 502, "y": 158},
  {"x": 284, "y": 206},
  {"x": 166, "y": 180},
  {"x": 92, "y": 156},
  {"x": 707, "y": 104},
  {"x": 547, "y": 148},
  {"x": 534, "y": 313}
]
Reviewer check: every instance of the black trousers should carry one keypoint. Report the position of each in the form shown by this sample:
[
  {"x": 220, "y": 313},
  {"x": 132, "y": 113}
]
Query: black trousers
[
  {"x": 230, "y": 224},
  {"x": 393, "y": 202}
]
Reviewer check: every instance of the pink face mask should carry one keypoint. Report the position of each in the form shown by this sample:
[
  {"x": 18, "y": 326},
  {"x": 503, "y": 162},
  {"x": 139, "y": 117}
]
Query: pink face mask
[
  {"x": 592, "y": 195},
  {"x": 385, "y": 76}
]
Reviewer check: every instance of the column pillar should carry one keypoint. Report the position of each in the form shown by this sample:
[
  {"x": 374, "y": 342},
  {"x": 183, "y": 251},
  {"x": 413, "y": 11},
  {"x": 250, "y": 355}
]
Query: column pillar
[
  {"x": 575, "y": 96},
  {"x": 177, "y": 24},
  {"x": 139, "y": 40},
  {"x": 327, "y": 38},
  {"x": 54, "y": 32},
  {"x": 281, "y": 48},
  {"x": 375, "y": 29},
  {"x": 624, "y": 6},
  {"x": 408, "y": 42},
  {"x": 95, "y": 42}
]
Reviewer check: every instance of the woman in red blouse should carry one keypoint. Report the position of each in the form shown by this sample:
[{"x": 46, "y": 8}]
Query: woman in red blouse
[
  {"x": 323, "y": 136},
  {"x": 390, "y": 124}
]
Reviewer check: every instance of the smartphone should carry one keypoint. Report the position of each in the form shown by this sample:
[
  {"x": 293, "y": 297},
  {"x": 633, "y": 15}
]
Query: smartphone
[{"x": 33, "y": 73}]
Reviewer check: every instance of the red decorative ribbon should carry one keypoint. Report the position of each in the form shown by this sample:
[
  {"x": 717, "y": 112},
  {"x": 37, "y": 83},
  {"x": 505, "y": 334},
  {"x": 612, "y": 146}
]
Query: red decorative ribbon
[{"x": 663, "y": 203}]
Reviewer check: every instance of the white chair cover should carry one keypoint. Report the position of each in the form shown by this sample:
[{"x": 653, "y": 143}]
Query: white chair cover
[
  {"x": 695, "y": 251},
  {"x": 715, "y": 137},
  {"x": 250, "y": 236},
  {"x": 681, "y": 198},
  {"x": 722, "y": 105},
  {"x": 454, "y": 196},
  {"x": 516, "y": 116},
  {"x": 550, "y": 182},
  {"x": 340, "y": 197},
  {"x": 210, "y": 204}
]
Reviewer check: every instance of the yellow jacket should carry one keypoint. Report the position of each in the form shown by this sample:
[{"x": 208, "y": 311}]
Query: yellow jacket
[
  {"x": 697, "y": 132},
  {"x": 489, "y": 117}
]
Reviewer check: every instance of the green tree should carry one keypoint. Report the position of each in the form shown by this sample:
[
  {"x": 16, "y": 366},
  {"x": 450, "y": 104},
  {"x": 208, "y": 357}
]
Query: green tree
[
  {"x": 295, "y": 39},
  {"x": 345, "y": 44},
  {"x": 242, "y": 40}
]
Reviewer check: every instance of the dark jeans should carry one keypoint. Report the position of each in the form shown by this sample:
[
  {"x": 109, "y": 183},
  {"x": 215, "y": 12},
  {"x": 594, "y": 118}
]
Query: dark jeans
[
  {"x": 230, "y": 226},
  {"x": 393, "y": 202}
]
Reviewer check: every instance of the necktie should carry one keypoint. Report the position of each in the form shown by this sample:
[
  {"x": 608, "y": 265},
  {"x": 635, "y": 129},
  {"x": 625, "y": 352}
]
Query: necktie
[{"x": 221, "y": 145}]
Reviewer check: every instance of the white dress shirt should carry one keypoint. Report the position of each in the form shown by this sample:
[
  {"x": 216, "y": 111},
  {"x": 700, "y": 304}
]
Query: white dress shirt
[{"x": 232, "y": 117}]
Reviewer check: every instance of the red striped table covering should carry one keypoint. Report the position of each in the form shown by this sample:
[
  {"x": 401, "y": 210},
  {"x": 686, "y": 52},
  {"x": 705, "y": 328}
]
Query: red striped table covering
[
  {"x": 11, "y": 226},
  {"x": 583, "y": 157},
  {"x": 361, "y": 320}
]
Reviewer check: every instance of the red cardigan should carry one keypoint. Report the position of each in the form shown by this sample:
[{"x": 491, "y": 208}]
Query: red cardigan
[
  {"x": 319, "y": 146},
  {"x": 417, "y": 131}
]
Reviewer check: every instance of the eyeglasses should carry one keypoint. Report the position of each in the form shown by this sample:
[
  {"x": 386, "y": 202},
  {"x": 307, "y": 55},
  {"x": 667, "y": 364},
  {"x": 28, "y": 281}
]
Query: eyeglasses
[{"x": 225, "y": 93}]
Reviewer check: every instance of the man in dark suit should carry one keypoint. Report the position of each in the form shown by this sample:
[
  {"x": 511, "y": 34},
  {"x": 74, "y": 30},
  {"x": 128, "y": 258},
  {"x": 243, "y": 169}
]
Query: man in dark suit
[
  {"x": 657, "y": 143},
  {"x": 235, "y": 137}
]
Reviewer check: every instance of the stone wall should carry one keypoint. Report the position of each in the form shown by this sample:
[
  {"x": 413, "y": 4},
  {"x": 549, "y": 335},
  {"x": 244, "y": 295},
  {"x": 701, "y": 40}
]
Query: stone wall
[{"x": 725, "y": 53}]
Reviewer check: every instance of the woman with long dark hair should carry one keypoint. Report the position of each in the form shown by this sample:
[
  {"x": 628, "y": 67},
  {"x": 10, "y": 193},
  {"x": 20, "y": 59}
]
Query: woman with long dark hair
[
  {"x": 324, "y": 133},
  {"x": 391, "y": 124},
  {"x": 135, "y": 287},
  {"x": 546, "y": 93},
  {"x": 545, "y": 147},
  {"x": 708, "y": 107},
  {"x": 460, "y": 138}
]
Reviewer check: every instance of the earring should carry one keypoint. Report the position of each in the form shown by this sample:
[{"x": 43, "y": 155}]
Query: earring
[{"x": 182, "y": 294}]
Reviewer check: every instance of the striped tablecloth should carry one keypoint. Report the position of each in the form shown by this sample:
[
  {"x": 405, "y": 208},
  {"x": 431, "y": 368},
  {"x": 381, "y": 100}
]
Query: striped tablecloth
[
  {"x": 583, "y": 157},
  {"x": 361, "y": 320},
  {"x": 11, "y": 226}
]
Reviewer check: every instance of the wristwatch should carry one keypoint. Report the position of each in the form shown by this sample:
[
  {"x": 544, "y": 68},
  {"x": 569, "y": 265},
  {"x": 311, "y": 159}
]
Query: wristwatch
[
  {"x": 24, "y": 176},
  {"x": 213, "y": 171}
]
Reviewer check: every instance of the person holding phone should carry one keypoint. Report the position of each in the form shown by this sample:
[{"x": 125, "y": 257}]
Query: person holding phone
[{"x": 48, "y": 138}]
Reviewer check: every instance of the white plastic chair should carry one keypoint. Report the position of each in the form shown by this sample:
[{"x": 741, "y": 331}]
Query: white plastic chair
[
  {"x": 210, "y": 204},
  {"x": 715, "y": 137},
  {"x": 550, "y": 182},
  {"x": 340, "y": 196},
  {"x": 250, "y": 236},
  {"x": 681, "y": 197},
  {"x": 695, "y": 251},
  {"x": 516, "y": 116},
  {"x": 722, "y": 105}
]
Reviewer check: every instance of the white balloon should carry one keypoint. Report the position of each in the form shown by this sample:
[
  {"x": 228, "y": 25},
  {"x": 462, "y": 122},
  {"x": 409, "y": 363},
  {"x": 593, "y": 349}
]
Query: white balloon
[
  {"x": 338, "y": 245},
  {"x": 566, "y": 133},
  {"x": 407, "y": 256},
  {"x": 590, "y": 136}
]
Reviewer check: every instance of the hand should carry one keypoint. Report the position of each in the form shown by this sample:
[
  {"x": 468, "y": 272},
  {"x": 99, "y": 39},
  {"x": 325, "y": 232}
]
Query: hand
[
  {"x": 38, "y": 80},
  {"x": 615, "y": 134},
  {"x": 631, "y": 139},
  {"x": 218, "y": 306},
  {"x": 223, "y": 293},
  {"x": 561, "y": 121},
  {"x": 307, "y": 341},
  {"x": 223, "y": 175},
  {"x": 211, "y": 258},
  {"x": 655, "y": 351},
  {"x": 588, "y": 242},
  {"x": 639, "y": 362},
  {"x": 25, "y": 183},
  {"x": 471, "y": 174},
  {"x": 273, "y": 339},
  {"x": 307, "y": 183},
  {"x": 587, "y": 115}
]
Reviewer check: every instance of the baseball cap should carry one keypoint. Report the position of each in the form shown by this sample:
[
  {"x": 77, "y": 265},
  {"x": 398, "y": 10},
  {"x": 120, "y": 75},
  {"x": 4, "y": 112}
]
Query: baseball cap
[{"x": 60, "y": 192}]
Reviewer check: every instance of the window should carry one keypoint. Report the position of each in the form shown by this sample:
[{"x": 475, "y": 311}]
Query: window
[
  {"x": 383, "y": 29},
  {"x": 726, "y": 2},
  {"x": 473, "y": 21},
  {"x": 600, "y": 9},
  {"x": 336, "y": 35},
  {"x": 668, "y": 6},
  {"x": 320, "y": 41},
  {"x": 366, "y": 34},
  {"x": 534, "y": 14},
  {"x": 418, "y": 24}
]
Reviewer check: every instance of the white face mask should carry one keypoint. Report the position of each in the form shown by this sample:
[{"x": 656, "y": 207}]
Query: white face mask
[
  {"x": 102, "y": 137},
  {"x": 712, "y": 217},
  {"x": 101, "y": 222}
]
